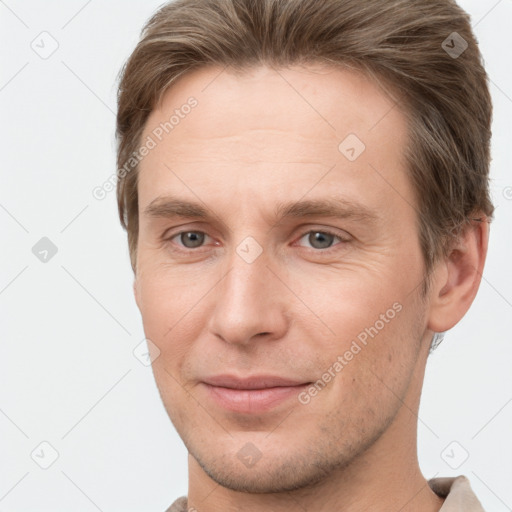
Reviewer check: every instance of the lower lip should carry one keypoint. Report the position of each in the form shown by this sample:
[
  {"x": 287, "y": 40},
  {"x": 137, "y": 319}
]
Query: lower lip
[{"x": 252, "y": 400}]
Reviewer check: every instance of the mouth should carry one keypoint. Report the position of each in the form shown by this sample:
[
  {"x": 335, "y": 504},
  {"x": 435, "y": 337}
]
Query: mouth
[{"x": 252, "y": 395}]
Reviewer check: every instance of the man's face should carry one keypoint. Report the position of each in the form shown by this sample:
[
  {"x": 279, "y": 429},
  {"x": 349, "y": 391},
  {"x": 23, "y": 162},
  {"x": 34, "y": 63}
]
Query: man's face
[{"x": 259, "y": 276}]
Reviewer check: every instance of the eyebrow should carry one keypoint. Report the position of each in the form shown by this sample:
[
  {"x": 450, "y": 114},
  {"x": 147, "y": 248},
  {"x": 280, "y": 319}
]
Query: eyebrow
[
  {"x": 339, "y": 208},
  {"x": 170, "y": 207}
]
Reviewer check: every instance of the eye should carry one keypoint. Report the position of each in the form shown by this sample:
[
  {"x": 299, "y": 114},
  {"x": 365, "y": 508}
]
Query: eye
[
  {"x": 190, "y": 239},
  {"x": 321, "y": 239}
]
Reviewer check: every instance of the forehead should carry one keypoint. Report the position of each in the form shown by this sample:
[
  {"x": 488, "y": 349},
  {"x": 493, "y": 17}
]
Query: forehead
[
  {"x": 275, "y": 130},
  {"x": 320, "y": 101}
]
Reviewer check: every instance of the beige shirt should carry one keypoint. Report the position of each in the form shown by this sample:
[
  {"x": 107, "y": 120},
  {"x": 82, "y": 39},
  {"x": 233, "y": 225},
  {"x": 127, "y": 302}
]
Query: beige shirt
[{"x": 457, "y": 491}]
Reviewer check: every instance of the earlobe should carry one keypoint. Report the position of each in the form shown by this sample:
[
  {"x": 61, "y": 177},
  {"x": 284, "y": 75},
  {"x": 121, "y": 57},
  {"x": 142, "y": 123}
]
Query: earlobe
[{"x": 458, "y": 277}]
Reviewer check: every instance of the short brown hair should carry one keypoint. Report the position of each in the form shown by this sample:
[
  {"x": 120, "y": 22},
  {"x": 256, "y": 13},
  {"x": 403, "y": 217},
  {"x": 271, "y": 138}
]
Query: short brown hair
[{"x": 406, "y": 43}]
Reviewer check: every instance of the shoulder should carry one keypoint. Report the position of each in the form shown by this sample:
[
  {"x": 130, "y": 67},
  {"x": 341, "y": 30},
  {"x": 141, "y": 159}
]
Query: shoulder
[
  {"x": 458, "y": 493},
  {"x": 180, "y": 505}
]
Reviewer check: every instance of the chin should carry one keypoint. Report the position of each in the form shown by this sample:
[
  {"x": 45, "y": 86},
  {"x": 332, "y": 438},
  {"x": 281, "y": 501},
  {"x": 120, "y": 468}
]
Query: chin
[{"x": 266, "y": 479}]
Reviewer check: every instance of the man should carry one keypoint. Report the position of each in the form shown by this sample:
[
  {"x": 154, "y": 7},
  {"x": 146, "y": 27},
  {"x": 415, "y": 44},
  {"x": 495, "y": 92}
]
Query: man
[{"x": 305, "y": 190}]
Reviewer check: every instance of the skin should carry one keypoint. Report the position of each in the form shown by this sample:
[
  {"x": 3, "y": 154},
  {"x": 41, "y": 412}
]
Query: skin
[{"x": 255, "y": 140}]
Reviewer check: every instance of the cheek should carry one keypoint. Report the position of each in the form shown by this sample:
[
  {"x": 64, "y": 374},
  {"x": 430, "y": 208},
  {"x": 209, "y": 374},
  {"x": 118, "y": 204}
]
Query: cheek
[
  {"x": 347, "y": 305},
  {"x": 166, "y": 293},
  {"x": 160, "y": 309},
  {"x": 391, "y": 350},
  {"x": 374, "y": 339},
  {"x": 174, "y": 310},
  {"x": 373, "y": 378}
]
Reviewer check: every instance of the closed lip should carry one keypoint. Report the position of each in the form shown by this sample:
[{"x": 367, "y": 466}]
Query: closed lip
[{"x": 254, "y": 382}]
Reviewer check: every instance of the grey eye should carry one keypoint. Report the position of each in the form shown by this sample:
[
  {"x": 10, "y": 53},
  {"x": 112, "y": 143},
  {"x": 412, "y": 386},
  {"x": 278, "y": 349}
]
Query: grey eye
[
  {"x": 192, "y": 239},
  {"x": 320, "y": 240}
]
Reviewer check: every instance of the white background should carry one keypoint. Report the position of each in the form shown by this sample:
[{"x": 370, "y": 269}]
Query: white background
[{"x": 68, "y": 326}]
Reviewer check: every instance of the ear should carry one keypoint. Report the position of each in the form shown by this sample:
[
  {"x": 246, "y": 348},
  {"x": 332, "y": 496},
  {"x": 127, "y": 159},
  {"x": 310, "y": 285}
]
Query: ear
[{"x": 457, "y": 276}]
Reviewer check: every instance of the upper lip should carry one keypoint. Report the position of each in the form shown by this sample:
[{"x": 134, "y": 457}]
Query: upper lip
[{"x": 254, "y": 382}]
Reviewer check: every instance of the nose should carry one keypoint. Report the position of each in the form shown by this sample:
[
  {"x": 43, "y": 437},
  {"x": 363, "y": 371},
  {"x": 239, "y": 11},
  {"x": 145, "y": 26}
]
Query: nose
[{"x": 250, "y": 303}]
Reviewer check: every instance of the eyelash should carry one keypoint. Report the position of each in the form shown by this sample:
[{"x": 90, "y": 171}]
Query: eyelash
[{"x": 317, "y": 251}]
